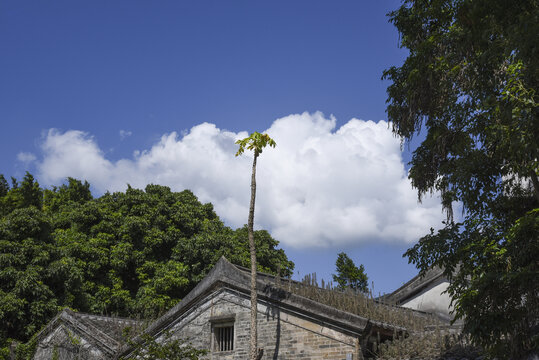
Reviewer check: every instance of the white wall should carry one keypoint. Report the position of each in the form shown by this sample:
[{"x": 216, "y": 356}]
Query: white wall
[{"x": 432, "y": 301}]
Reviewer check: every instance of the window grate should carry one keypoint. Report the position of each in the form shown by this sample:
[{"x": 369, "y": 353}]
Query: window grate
[{"x": 224, "y": 338}]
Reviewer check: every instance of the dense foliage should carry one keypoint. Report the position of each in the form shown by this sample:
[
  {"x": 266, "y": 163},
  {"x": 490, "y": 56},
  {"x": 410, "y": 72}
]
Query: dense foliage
[
  {"x": 435, "y": 345},
  {"x": 349, "y": 275},
  {"x": 133, "y": 253},
  {"x": 470, "y": 82},
  {"x": 169, "y": 349}
]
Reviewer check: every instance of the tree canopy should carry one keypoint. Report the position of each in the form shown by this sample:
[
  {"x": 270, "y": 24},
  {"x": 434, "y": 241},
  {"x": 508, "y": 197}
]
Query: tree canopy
[
  {"x": 133, "y": 253},
  {"x": 470, "y": 84},
  {"x": 349, "y": 275}
]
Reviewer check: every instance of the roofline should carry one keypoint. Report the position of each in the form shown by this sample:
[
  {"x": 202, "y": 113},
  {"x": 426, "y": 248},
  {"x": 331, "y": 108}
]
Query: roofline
[
  {"x": 227, "y": 275},
  {"x": 68, "y": 316},
  {"x": 427, "y": 278}
]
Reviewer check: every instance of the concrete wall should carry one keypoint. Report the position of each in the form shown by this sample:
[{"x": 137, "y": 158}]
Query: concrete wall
[{"x": 282, "y": 334}]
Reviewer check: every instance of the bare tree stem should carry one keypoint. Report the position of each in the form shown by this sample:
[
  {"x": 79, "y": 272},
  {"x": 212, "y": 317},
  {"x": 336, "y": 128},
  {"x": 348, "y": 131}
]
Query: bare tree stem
[{"x": 253, "y": 339}]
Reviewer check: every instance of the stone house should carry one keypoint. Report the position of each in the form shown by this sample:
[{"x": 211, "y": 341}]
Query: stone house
[
  {"x": 425, "y": 293},
  {"x": 72, "y": 335},
  {"x": 215, "y": 316}
]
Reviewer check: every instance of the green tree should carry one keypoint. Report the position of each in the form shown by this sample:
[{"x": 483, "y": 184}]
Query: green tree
[
  {"x": 470, "y": 82},
  {"x": 30, "y": 192},
  {"x": 74, "y": 191},
  {"x": 133, "y": 253},
  {"x": 349, "y": 275},
  {"x": 26, "y": 298},
  {"x": 4, "y": 186},
  {"x": 256, "y": 142}
]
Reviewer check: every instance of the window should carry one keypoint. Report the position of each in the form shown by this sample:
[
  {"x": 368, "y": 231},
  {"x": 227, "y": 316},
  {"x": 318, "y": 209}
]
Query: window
[
  {"x": 224, "y": 338},
  {"x": 223, "y": 333}
]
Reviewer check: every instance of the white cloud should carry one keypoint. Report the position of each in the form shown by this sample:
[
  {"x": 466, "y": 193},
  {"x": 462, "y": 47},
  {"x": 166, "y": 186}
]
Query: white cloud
[
  {"x": 319, "y": 187},
  {"x": 124, "y": 134},
  {"x": 26, "y": 157}
]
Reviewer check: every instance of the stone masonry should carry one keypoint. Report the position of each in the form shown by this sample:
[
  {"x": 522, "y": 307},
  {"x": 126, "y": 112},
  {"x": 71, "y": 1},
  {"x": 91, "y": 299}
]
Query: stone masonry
[
  {"x": 281, "y": 334},
  {"x": 215, "y": 316}
]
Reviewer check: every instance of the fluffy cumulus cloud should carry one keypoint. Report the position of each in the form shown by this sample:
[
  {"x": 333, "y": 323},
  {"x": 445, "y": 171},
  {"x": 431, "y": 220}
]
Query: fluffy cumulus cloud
[{"x": 319, "y": 187}]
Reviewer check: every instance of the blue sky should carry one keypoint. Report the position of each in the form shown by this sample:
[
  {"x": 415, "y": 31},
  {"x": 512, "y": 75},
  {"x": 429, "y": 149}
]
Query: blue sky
[{"x": 121, "y": 92}]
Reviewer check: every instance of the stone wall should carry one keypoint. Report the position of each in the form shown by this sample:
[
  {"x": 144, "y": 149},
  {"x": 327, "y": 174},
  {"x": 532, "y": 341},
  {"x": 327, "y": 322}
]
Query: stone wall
[
  {"x": 72, "y": 335},
  {"x": 282, "y": 334},
  {"x": 65, "y": 344}
]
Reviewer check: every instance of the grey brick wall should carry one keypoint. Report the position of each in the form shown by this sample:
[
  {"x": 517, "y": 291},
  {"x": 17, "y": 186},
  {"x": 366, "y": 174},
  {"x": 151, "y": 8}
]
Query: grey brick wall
[{"x": 281, "y": 333}]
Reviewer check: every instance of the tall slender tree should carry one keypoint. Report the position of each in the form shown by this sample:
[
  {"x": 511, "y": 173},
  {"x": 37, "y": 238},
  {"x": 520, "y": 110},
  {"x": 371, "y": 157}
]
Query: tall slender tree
[{"x": 256, "y": 142}]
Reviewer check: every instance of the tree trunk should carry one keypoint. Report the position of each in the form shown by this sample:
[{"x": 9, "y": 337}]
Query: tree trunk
[
  {"x": 535, "y": 183},
  {"x": 253, "y": 340}
]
